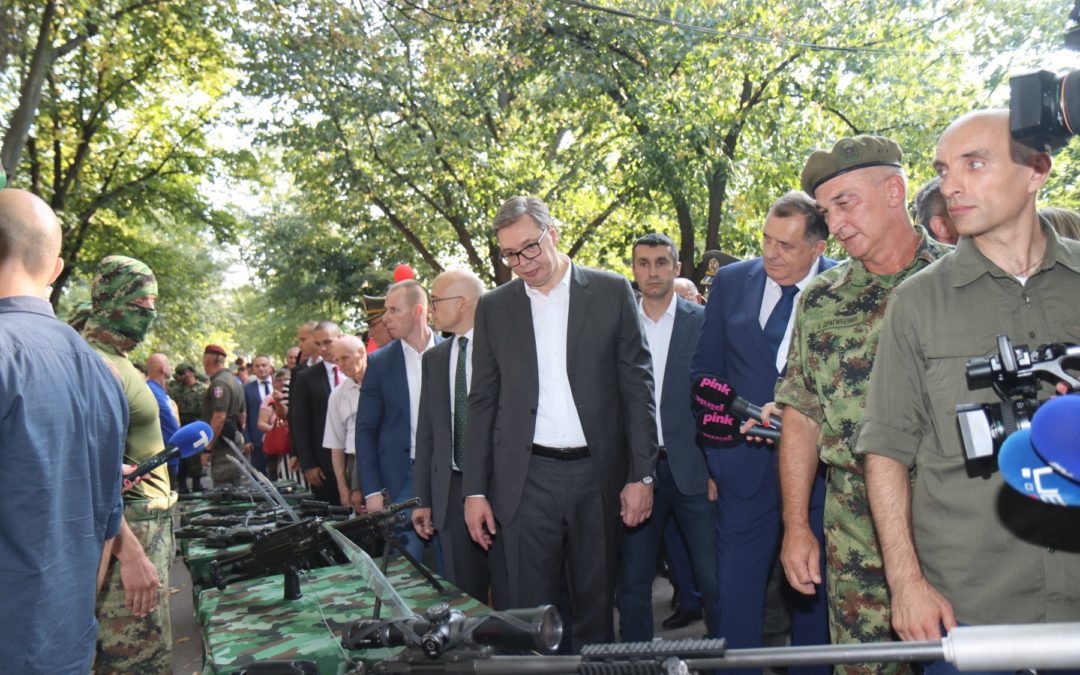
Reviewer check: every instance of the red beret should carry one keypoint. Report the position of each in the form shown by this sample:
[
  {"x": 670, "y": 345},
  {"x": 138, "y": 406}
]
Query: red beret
[{"x": 215, "y": 349}]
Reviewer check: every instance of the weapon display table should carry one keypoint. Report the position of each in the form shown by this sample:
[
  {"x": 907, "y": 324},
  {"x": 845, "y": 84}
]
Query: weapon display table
[{"x": 249, "y": 621}]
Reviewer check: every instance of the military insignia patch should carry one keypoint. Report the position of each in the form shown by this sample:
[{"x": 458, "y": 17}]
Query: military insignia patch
[{"x": 218, "y": 391}]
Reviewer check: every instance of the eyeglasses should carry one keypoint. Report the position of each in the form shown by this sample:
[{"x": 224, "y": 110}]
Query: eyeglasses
[
  {"x": 513, "y": 258},
  {"x": 435, "y": 301}
]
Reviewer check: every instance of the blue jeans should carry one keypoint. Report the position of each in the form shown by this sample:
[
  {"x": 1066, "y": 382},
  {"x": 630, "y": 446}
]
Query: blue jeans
[{"x": 696, "y": 518}]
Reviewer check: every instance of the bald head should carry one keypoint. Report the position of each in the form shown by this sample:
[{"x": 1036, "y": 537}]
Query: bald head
[
  {"x": 158, "y": 367},
  {"x": 29, "y": 243},
  {"x": 453, "y": 300}
]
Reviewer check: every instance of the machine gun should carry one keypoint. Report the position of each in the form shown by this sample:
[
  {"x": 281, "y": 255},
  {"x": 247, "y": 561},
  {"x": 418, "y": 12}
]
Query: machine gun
[
  {"x": 224, "y": 537},
  {"x": 299, "y": 545},
  {"x": 443, "y": 641},
  {"x": 235, "y": 494},
  {"x": 248, "y": 517}
]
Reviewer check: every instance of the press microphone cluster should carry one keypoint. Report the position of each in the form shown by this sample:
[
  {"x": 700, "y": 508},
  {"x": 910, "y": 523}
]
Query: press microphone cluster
[
  {"x": 721, "y": 411},
  {"x": 188, "y": 440},
  {"x": 1043, "y": 462}
]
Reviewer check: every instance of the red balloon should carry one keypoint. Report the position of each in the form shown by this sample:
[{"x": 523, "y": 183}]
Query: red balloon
[{"x": 403, "y": 272}]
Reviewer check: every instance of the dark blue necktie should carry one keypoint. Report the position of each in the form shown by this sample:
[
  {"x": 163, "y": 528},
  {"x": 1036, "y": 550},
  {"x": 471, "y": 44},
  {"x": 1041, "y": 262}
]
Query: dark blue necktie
[
  {"x": 266, "y": 388},
  {"x": 461, "y": 402},
  {"x": 778, "y": 320}
]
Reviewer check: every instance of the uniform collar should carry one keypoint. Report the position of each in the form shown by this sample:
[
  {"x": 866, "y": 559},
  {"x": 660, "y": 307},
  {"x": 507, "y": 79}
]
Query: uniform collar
[
  {"x": 969, "y": 263},
  {"x": 926, "y": 252}
]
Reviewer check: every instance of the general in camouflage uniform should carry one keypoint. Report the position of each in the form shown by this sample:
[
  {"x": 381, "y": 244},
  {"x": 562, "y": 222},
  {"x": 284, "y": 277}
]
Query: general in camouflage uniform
[
  {"x": 222, "y": 406},
  {"x": 832, "y": 351},
  {"x": 123, "y": 293}
]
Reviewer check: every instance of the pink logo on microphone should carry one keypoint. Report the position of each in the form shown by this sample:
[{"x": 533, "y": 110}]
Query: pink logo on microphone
[{"x": 716, "y": 385}]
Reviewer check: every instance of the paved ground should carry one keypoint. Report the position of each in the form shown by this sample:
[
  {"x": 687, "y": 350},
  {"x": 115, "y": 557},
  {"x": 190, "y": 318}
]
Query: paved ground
[{"x": 187, "y": 643}]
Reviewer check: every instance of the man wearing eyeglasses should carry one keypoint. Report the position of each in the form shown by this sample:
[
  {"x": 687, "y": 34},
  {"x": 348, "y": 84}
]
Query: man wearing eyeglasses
[
  {"x": 440, "y": 432},
  {"x": 560, "y": 444}
]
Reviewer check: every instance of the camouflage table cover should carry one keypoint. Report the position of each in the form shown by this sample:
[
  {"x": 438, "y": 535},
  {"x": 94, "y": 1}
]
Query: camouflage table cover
[
  {"x": 249, "y": 621},
  {"x": 197, "y": 556}
]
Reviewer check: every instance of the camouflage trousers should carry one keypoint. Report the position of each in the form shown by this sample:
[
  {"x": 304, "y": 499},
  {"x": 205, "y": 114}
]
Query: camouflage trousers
[
  {"x": 859, "y": 609},
  {"x": 127, "y": 643}
]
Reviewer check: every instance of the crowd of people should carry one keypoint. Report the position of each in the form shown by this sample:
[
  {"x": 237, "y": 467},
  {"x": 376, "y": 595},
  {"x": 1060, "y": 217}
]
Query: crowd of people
[{"x": 549, "y": 430}]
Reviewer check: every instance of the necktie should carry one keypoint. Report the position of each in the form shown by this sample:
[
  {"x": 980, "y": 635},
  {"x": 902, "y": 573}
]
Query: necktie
[
  {"x": 461, "y": 403},
  {"x": 266, "y": 388},
  {"x": 336, "y": 380},
  {"x": 778, "y": 320}
]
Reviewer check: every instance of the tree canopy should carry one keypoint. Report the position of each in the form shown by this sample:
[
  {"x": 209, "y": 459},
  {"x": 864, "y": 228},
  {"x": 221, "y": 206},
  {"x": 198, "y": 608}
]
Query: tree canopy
[{"x": 374, "y": 132}]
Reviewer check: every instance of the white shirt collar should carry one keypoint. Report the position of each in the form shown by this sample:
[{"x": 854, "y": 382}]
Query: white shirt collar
[
  {"x": 429, "y": 345},
  {"x": 670, "y": 311},
  {"x": 802, "y": 282},
  {"x": 565, "y": 281}
]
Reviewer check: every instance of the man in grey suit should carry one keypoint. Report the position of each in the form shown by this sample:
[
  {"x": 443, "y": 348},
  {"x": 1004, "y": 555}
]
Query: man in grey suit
[
  {"x": 671, "y": 326},
  {"x": 440, "y": 432},
  {"x": 561, "y": 436}
]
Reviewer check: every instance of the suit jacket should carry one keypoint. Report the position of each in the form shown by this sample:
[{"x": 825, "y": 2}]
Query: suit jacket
[
  {"x": 253, "y": 401},
  {"x": 383, "y": 422},
  {"x": 610, "y": 373},
  {"x": 309, "y": 391},
  {"x": 435, "y": 433},
  {"x": 733, "y": 347},
  {"x": 686, "y": 459}
]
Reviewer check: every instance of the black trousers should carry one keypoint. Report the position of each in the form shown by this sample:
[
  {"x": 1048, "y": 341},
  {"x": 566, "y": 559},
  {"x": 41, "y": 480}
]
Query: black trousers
[
  {"x": 563, "y": 524},
  {"x": 466, "y": 563}
]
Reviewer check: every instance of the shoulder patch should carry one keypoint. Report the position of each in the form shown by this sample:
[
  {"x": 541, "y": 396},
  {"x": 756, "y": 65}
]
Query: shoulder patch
[{"x": 219, "y": 391}]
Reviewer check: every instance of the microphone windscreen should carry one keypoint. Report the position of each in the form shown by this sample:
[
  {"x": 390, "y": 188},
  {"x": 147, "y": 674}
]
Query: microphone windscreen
[
  {"x": 192, "y": 438},
  {"x": 1055, "y": 433},
  {"x": 1028, "y": 474},
  {"x": 712, "y": 393}
]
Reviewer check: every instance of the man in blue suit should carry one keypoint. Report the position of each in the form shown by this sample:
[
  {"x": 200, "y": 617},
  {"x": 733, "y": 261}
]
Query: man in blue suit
[
  {"x": 386, "y": 420},
  {"x": 256, "y": 391},
  {"x": 671, "y": 326},
  {"x": 745, "y": 341}
]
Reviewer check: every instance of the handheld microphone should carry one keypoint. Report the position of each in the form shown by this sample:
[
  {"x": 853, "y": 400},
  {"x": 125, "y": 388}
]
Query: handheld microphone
[
  {"x": 1054, "y": 430},
  {"x": 1028, "y": 474},
  {"x": 188, "y": 440},
  {"x": 718, "y": 397}
]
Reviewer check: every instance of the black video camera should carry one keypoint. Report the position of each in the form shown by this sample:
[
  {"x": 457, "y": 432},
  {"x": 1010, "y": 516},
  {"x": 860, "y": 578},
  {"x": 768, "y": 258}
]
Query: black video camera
[
  {"x": 1014, "y": 373},
  {"x": 1044, "y": 108}
]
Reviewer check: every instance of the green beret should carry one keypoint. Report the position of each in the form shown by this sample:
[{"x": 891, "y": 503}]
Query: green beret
[{"x": 848, "y": 154}]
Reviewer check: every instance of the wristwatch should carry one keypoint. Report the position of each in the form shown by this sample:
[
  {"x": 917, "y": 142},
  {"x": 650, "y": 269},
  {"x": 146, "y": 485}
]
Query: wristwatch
[{"x": 648, "y": 480}]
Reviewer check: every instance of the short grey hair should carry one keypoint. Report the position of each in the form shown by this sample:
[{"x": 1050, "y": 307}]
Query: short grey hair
[{"x": 515, "y": 208}]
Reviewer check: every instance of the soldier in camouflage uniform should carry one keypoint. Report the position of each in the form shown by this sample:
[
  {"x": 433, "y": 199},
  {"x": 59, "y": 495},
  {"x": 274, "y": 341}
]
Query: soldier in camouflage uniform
[
  {"x": 861, "y": 188},
  {"x": 135, "y": 636},
  {"x": 188, "y": 393},
  {"x": 222, "y": 406}
]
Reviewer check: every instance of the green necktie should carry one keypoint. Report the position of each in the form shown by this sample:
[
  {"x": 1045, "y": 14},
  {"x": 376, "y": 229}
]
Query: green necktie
[{"x": 461, "y": 403}]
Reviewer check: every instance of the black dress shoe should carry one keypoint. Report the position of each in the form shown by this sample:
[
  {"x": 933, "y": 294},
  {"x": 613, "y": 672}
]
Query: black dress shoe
[{"x": 681, "y": 618}]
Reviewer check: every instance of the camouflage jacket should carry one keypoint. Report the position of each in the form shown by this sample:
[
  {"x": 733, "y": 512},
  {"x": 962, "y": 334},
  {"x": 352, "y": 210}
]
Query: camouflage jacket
[
  {"x": 833, "y": 342},
  {"x": 188, "y": 400}
]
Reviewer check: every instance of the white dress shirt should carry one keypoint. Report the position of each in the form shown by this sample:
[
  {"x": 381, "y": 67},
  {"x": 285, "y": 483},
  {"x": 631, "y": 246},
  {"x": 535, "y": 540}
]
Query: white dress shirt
[
  {"x": 454, "y": 349},
  {"x": 341, "y": 417},
  {"x": 413, "y": 374},
  {"x": 330, "y": 368},
  {"x": 261, "y": 387},
  {"x": 770, "y": 297},
  {"x": 658, "y": 336},
  {"x": 557, "y": 421}
]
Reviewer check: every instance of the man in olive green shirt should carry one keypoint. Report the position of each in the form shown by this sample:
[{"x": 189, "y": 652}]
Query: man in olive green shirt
[
  {"x": 135, "y": 635},
  {"x": 986, "y": 554},
  {"x": 223, "y": 404},
  {"x": 861, "y": 188}
]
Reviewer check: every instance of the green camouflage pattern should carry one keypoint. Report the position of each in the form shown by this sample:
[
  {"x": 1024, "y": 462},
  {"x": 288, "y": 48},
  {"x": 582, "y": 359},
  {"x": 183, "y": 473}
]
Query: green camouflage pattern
[
  {"x": 249, "y": 621},
  {"x": 78, "y": 315},
  {"x": 126, "y": 643},
  {"x": 859, "y": 608},
  {"x": 188, "y": 400},
  {"x": 114, "y": 320},
  {"x": 833, "y": 343}
]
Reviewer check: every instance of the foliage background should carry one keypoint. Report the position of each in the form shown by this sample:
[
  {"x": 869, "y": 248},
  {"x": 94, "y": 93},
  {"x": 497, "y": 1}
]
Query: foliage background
[{"x": 273, "y": 161}]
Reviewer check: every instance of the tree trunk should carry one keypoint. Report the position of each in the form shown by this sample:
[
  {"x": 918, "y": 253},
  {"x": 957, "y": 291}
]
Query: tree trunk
[{"x": 30, "y": 95}]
